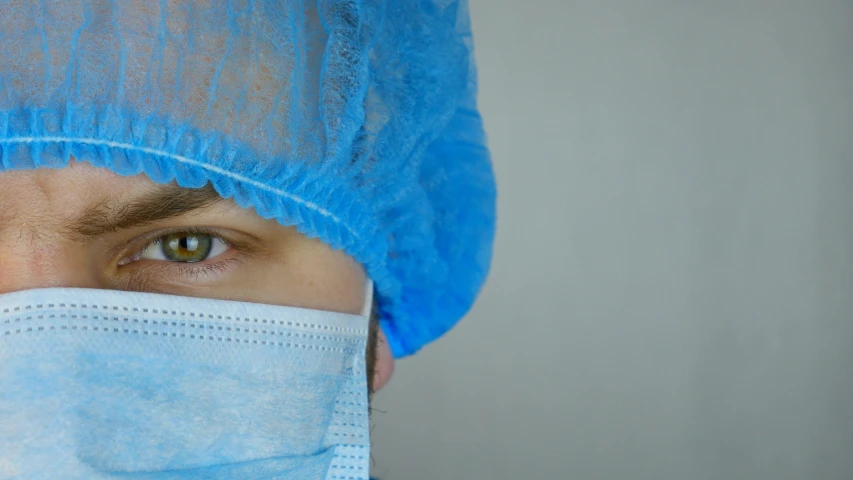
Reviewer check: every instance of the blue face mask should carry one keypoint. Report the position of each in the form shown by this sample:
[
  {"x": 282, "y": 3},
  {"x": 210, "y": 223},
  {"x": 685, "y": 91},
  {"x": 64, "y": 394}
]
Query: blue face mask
[{"x": 107, "y": 384}]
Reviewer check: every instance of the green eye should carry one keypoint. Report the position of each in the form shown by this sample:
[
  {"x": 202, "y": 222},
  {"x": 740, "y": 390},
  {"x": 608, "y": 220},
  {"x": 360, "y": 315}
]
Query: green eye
[
  {"x": 180, "y": 247},
  {"x": 184, "y": 247}
]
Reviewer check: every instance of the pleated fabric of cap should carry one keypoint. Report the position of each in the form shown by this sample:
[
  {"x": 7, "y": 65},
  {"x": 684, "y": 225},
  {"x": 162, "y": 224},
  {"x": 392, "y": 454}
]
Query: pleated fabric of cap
[{"x": 354, "y": 121}]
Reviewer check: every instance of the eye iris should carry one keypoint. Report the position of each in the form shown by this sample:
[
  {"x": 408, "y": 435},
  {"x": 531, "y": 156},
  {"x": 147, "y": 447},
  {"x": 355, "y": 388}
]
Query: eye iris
[{"x": 182, "y": 247}]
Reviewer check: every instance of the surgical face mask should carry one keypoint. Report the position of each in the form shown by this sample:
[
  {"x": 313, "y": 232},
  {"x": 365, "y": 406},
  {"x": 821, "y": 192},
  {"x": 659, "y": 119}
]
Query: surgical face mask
[{"x": 107, "y": 384}]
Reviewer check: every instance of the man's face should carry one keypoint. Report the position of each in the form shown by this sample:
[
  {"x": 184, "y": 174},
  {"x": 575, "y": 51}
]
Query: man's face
[{"x": 87, "y": 227}]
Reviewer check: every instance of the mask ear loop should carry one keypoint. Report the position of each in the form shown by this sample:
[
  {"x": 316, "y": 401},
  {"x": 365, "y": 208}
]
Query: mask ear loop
[{"x": 368, "y": 299}]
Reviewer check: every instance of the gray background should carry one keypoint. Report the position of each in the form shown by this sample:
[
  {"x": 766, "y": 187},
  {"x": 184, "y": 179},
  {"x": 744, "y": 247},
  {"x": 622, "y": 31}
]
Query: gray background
[{"x": 672, "y": 291}]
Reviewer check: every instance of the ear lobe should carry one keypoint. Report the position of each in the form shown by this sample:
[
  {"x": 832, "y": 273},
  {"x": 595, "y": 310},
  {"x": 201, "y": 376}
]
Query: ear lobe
[{"x": 384, "y": 366}]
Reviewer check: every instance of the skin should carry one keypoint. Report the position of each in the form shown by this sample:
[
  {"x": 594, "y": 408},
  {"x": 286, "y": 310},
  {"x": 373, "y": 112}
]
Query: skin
[{"x": 252, "y": 259}]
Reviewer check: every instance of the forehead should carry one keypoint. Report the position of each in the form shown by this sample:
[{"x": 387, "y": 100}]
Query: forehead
[{"x": 65, "y": 192}]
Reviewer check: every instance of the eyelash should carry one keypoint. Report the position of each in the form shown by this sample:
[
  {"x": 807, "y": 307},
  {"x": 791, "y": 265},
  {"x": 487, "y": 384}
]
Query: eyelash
[{"x": 196, "y": 270}]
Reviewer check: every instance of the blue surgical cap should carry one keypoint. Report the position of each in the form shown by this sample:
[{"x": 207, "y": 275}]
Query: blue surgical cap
[{"x": 353, "y": 120}]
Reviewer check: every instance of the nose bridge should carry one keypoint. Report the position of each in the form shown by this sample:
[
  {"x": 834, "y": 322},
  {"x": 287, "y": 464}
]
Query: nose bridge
[{"x": 34, "y": 256}]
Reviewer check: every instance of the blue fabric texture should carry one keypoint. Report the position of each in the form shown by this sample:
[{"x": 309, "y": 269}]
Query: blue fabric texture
[
  {"x": 354, "y": 121},
  {"x": 106, "y": 384}
]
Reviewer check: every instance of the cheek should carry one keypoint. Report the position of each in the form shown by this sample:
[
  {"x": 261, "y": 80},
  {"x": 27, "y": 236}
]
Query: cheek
[
  {"x": 332, "y": 278},
  {"x": 306, "y": 274}
]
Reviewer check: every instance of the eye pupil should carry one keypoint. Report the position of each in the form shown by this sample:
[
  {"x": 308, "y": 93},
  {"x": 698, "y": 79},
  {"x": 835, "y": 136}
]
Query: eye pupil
[
  {"x": 183, "y": 247},
  {"x": 189, "y": 243}
]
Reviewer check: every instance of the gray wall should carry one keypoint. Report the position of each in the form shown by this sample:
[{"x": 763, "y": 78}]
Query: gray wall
[{"x": 672, "y": 292}]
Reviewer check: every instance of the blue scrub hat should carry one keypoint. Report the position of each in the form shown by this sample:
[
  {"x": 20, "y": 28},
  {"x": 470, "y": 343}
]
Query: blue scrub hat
[{"x": 355, "y": 121}]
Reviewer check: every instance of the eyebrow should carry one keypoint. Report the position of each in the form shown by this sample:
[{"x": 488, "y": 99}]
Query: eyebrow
[{"x": 161, "y": 203}]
